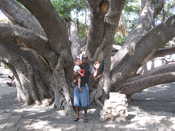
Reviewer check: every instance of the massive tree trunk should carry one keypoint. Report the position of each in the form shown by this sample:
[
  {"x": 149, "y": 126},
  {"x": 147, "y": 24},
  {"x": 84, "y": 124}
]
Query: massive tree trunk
[
  {"x": 141, "y": 46},
  {"x": 104, "y": 21},
  {"x": 37, "y": 51}
]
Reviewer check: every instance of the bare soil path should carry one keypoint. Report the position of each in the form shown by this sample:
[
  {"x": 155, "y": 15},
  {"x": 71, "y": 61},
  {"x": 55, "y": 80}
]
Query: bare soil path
[{"x": 151, "y": 110}]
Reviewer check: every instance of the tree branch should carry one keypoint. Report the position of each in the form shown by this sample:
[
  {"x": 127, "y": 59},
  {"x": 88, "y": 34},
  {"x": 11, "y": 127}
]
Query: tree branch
[
  {"x": 50, "y": 21},
  {"x": 162, "y": 69},
  {"x": 97, "y": 25},
  {"x": 27, "y": 40},
  {"x": 145, "y": 82},
  {"x": 114, "y": 11},
  {"x": 21, "y": 16},
  {"x": 24, "y": 38},
  {"x": 145, "y": 24},
  {"x": 18, "y": 58},
  {"x": 163, "y": 52},
  {"x": 94, "y": 4},
  {"x": 151, "y": 41},
  {"x": 55, "y": 29}
]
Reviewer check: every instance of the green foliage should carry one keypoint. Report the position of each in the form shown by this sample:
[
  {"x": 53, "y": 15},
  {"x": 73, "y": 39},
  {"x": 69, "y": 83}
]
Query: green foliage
[
  {"x": 82, "y": 30},
  {"x": 131, "y": 13},
  {"x": 169, "y": 8},
  {"x": 64, "y": 7},
  {"x": 119, "y": 39},
  {"x": 132, "y": 7}
]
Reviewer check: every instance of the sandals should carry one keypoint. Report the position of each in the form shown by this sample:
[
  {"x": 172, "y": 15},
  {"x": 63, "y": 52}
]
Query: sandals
[{"x": 85, "y": 119}]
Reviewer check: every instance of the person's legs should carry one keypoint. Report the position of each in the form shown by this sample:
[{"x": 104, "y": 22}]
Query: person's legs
[
  {"x": 85, "y": 110},
  {"x": 85, "y": 115},
  {"x": 77, "y": 111},
  {"x": 84, "y": 100},
  {"x": 76, "y": 103},
  {"x": 84, "y": 97}
]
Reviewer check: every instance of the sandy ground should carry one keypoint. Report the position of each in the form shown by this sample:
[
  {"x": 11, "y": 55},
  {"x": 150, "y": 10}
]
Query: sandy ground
[{"x": 151, "y": 110}]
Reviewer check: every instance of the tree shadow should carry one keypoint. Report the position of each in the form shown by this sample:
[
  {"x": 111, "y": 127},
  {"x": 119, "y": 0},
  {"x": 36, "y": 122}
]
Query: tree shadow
[
  {"x": 156, "y": 99},
  {"x": 9, "y": 102}
]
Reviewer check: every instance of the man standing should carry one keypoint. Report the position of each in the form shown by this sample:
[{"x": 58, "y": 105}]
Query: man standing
[{"x": 81, "y": 93}]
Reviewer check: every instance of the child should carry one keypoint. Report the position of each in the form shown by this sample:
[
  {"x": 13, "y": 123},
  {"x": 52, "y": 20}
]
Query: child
[
  {"x": 77, "y": 72},
  {"x": 98, "y": 70}
]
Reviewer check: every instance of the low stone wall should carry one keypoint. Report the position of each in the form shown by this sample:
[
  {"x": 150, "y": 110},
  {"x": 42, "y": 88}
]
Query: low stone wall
[{"x": 115, "y": 108}]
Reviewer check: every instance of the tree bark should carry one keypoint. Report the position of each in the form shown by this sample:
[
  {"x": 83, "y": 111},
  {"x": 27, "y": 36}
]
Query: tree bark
[
  {"x": 144, "y": 25},
  {"x": 97, "y": 25},
  {"x": 104, "y": 22},
  {"x": 58, "y": 45},
  {"x": 112, "y": 18},
  {"x": 24, "y": 38},
  {"x": 28, "y": 70},
  {"x": 163, "y": 52},
  {"x": 20, "y": 16},
  {"x": 138, "y": 85},
  {"x": 42, "y": 8},
  {"x": 159, "y": 70},
  {"x": 150, "y": 42},
  {"x": 43, "y": 61}
]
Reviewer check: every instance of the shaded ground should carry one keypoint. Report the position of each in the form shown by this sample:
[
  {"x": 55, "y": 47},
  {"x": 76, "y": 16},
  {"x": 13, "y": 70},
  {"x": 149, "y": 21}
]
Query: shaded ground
[{"x": 151, "y": 110}]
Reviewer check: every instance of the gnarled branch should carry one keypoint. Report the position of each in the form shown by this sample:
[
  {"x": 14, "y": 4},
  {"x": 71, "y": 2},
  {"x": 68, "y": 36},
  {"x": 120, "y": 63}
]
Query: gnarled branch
[
  {"x": 20, "y": 16},
  {"x": 145, "y": 82},
  {"x": 24, "y": 38},
  {"x": 42, "y": 8},
  {"x": 114, "y": 11},
  {"x": 162, "y": 69},
  {"x": 163, "y": 52},
  {"x": 151, "y": 41}
]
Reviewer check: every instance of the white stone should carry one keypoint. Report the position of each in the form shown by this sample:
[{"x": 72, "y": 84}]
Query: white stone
[{"x": 115, "y": 107}]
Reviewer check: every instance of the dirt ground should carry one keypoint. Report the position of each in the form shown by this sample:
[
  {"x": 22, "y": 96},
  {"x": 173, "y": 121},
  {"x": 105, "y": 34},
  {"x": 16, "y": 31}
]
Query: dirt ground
[{"x": 151, "y": 110}]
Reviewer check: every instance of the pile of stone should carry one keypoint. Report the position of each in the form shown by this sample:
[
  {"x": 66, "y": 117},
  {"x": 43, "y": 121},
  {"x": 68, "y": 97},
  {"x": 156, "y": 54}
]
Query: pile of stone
[{"x": 115, "y": 108}]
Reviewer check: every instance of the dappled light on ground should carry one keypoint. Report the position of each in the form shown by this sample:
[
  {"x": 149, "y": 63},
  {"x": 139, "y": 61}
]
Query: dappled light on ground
[{"x": 152, "y": 109}]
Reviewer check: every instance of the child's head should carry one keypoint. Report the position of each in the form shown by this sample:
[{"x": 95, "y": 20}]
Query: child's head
[
  {"x": 77, "y": 61},
  {"x": 97, "y": 65}
]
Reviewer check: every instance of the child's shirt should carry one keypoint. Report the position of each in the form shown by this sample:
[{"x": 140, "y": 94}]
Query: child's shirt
[{"x": 76, "y": 68}]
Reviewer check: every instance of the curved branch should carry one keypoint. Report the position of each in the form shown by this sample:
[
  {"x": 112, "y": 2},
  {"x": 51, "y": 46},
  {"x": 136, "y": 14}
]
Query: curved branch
[
  {"x": 114, "y": 11},
  {"x": 130, "y": 88},
  {"x": 144, "y": 25},
  {"x": 163, "y": 52},
  {"x": 24, "y": 38},
  {"x": 50, "y": 21},
  {"x": 55, "y": 29},
  {"x": 159, "y": 70},
  {"x": 12, "y": 50},
  {"x": 21, "y": 16},
  {"x": 151, "y": 41}
]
